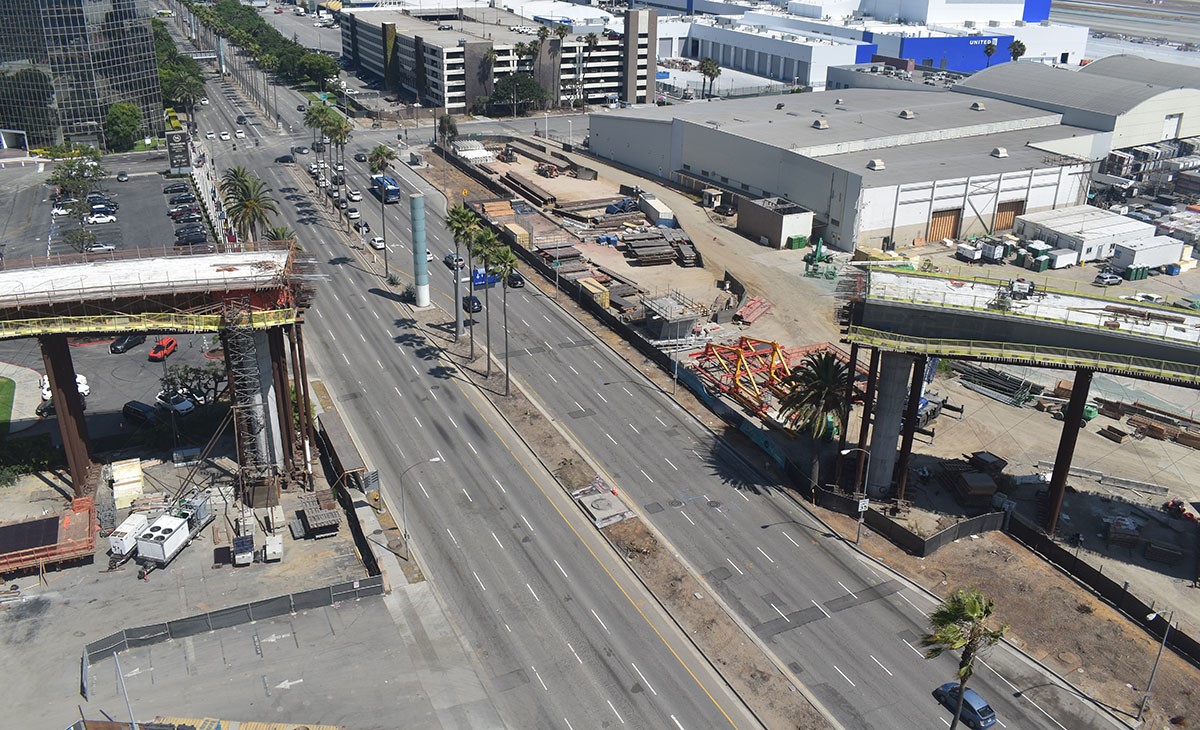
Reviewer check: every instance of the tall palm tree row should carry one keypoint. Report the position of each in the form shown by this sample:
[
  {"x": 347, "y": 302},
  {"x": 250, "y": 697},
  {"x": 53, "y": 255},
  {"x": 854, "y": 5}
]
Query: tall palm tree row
[
  {"x": 815, "y": 401},
  {"x": 503, "y": 262},
  {"x": 462, "y": 223},
  {"x": 378, "y": 159},
  {"x": 961, "y": 624},
  {"x": 339, "y": 136}
]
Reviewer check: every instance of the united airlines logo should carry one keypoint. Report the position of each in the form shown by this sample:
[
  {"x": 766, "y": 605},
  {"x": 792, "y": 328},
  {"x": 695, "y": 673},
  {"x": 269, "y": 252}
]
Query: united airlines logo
[{"x": 982, "y": 41}]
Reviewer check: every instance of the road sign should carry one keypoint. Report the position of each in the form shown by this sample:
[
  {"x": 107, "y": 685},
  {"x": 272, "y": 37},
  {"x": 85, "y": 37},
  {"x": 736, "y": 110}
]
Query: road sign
[{"x": 864, "y": 505}]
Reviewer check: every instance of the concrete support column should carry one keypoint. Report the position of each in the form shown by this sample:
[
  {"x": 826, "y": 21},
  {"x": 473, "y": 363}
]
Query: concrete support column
[
  {"x": 56, "y": 354},
  {"x": 307, "y": 414},
  {"x": 416, "y": 207},
  {"x": 864, "y": 428},
  {"x": 910, "y": 423},
  {"x": 1066, "y": 446},
  {"x": 893, "y": 390},
  {"x": 301, "y": 393},
  {"x": 283, "y": 398},
  {"x": 851, "y": 371}
]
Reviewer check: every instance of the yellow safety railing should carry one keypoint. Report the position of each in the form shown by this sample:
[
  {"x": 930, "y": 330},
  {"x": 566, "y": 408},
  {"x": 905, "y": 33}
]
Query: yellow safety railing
[
  {"x": 148, "y": 322},
  {"x": 1037, "y": 355}
]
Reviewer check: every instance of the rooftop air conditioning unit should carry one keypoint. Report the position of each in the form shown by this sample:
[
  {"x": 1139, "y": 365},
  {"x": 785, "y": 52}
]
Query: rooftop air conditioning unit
[
  {"x": 1000, "y": 152},
  {"x": 1019, "y": 23},
  {"x": 907, "y": 114},
  {"x": 820, "y": 124},
  {"x": 993, "y": 23},
  {"x": 977, "y": 106},
  {"x": 876, "y": 164},
  {"x": 968, "y": 23}
]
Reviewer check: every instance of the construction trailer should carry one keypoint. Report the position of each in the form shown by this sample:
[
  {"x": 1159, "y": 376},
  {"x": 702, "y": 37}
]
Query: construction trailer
[
  {"x": 1151, "y": 252},
  {"x": 171, "y": 531},
  {"x": 1090, "y": 231}
]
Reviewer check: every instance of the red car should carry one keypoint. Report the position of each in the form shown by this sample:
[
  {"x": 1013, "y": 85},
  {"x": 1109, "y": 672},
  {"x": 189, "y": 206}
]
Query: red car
[{"x": 163, "y": 349}]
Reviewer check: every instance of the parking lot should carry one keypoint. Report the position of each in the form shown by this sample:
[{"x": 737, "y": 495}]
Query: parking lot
[
  {"x": 114, "y": 380},
  {"x": 141, "y": 215}
]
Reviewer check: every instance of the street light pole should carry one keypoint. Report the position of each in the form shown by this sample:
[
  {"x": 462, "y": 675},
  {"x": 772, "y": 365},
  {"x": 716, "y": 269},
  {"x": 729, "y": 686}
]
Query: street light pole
[
  {"x": 1154, "y": 670},
  {"x": 403, "y": 513},
  {"x": 861, "y": 513},
  {"x": 571, "y": 132}
]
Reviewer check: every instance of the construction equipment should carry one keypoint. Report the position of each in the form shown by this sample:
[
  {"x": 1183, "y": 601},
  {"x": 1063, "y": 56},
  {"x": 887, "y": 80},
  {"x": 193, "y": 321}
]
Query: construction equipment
[
  {"x": 545, "y": 169},
  {"x": 508, "y": 155},
  {"x": 814, "y": 258}
]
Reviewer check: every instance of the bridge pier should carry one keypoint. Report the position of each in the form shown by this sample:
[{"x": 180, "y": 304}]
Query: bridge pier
[
  {"x": 889, "y": 406},
  {"x": 864, "y": 428},
  {"x": 910, "y": 422},
  {"x": 72, "y": 426},
  {"x": 1072, "y": 418}
]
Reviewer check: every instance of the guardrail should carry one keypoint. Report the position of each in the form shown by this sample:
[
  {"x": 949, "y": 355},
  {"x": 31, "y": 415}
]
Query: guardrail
[
  {"x": 1070, "y": 316},
  {"x": 150, "y": 322},
  {"x": 1028, "y": 354}
]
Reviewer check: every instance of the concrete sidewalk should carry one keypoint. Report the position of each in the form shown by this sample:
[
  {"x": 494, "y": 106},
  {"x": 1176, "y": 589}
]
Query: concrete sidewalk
[{"x": 27, "y": 396}]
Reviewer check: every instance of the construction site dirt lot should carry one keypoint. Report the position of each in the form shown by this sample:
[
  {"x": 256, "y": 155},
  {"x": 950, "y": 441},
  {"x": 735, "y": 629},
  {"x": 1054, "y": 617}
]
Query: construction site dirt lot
[
  {"x": 566, "y": 188},
  {"x": 45, "y": 625}
]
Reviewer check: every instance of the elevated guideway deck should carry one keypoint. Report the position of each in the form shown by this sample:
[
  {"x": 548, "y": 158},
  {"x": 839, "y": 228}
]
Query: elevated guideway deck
[
  {"x": 1062, "y": 325},
  {"x": 144, "y": 290}
]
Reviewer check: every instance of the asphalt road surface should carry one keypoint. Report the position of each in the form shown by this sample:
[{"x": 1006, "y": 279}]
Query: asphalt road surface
[{"x": 539, "y": 602}]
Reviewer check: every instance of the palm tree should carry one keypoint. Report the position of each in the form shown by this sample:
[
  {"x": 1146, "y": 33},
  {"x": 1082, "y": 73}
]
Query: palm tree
[
  {"x": 339, "y": 137},
  {"x": 485, "y": 242},
  {"x": 317, "y": 118},
  {"x": 489, "y": 62},
  {"x": 252, "y": 208},
  {"x": 961, "y": 624},
  {"x": 378, "y": 160},
  {"x": 710, "y": 69},
  {"x": 816, "y": 400},
  {"x": 503, "y": 263},
  {"x": 279, "y": 233},
  {"x": 1016, "y": 49},
  {"x": 233, "y": 181},
  {"x": 989, "y": 50},
  {"x": 462, "y": 223}
]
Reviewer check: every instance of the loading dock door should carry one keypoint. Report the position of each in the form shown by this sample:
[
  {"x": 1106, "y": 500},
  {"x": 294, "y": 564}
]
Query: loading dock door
[
  {"x": 1006, "y": 214},
  {"x": 944, "y": 224}
]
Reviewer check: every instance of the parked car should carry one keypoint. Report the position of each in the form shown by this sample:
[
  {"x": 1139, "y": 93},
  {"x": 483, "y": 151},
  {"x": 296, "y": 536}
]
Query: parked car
[
  {"x": 725, "y": 209},
  {"x": 192, "y": 239},
  {"x": 184, "y": 212},
  {"x": 353, "y": 196},
  {"x": 339, "y": 178},
  {"x": 175, "y": 188},
  {"x": 60, "y": 210},
  {"x": 81, "y": 384},
  {"x": 1107, "y": 279},
  {"x": 454, "y": 262},
  {"x": 139, "y": 412},
  {"x": 471, "y": 304},
  {"x": 515, "y": 280},
  {"x": 976, "y": 713},
  {"x": 122, "y": 176},
  {"x": 182, "y": 198},
  {"x": 46, "y": 408},
  {"x": 353, "y": 214},
  {"x": 96, "y": 219},
  {"x": 188, "y": 228},
  {"x": 176, "y": 403},
  {"x": 193, "y": 217},
  {"x": 163, "y": 349},
  {"x": 376, "y": 243},
  {"x": 125, "y": 342},
  {"x": 99, "y": 247}
]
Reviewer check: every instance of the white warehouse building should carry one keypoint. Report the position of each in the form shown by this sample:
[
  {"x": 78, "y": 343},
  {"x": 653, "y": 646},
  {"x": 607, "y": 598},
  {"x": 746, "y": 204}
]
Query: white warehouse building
[{"x": 888, "y": 168}]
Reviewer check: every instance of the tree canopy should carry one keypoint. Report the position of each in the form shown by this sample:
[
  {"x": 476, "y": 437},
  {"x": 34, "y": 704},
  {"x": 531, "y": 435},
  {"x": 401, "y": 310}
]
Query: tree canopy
[
  {"x": 516, "y": 91},
  {"x": 122, "y": 124}
]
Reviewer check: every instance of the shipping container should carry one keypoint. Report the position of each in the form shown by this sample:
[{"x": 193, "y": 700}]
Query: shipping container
[{"x": 657, "y": 211}]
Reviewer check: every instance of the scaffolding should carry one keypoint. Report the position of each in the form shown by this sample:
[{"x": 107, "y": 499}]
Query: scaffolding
[{"x": 249, "y": 411}]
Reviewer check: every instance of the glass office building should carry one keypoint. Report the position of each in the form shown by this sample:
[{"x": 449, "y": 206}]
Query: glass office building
[{"x": 63, "y": 63}]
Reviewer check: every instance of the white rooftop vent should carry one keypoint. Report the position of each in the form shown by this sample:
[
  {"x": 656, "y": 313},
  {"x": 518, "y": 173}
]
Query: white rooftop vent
[
  {"x": 876, "y": 164},
  {"x": 820, "y": 124},
  {"x": 839, "y": 101},
  {"x": 968, "y": 23},
  {"x": 978, "y": 106},
  {"x": 1019, "y": 23},
  {"x": 907, "y": 114},
  {"x": 1000, "y": 152},
  {"x": 993, "y": 23}
]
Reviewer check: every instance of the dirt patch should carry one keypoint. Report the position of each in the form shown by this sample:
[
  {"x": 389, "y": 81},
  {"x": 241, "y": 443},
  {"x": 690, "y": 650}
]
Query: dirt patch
[
  {"x": 752, "y": 676},
  {"x": 1076, "y": 634}
]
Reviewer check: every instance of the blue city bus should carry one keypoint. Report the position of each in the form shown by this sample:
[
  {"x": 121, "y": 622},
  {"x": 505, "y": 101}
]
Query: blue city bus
[{"x": 385, "y": 188}]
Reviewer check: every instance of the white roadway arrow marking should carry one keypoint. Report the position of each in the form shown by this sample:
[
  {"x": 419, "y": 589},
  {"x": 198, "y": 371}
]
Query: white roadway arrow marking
[
  {"x": 288, "y": 683},
  {"x": 274, "y": 637}
]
